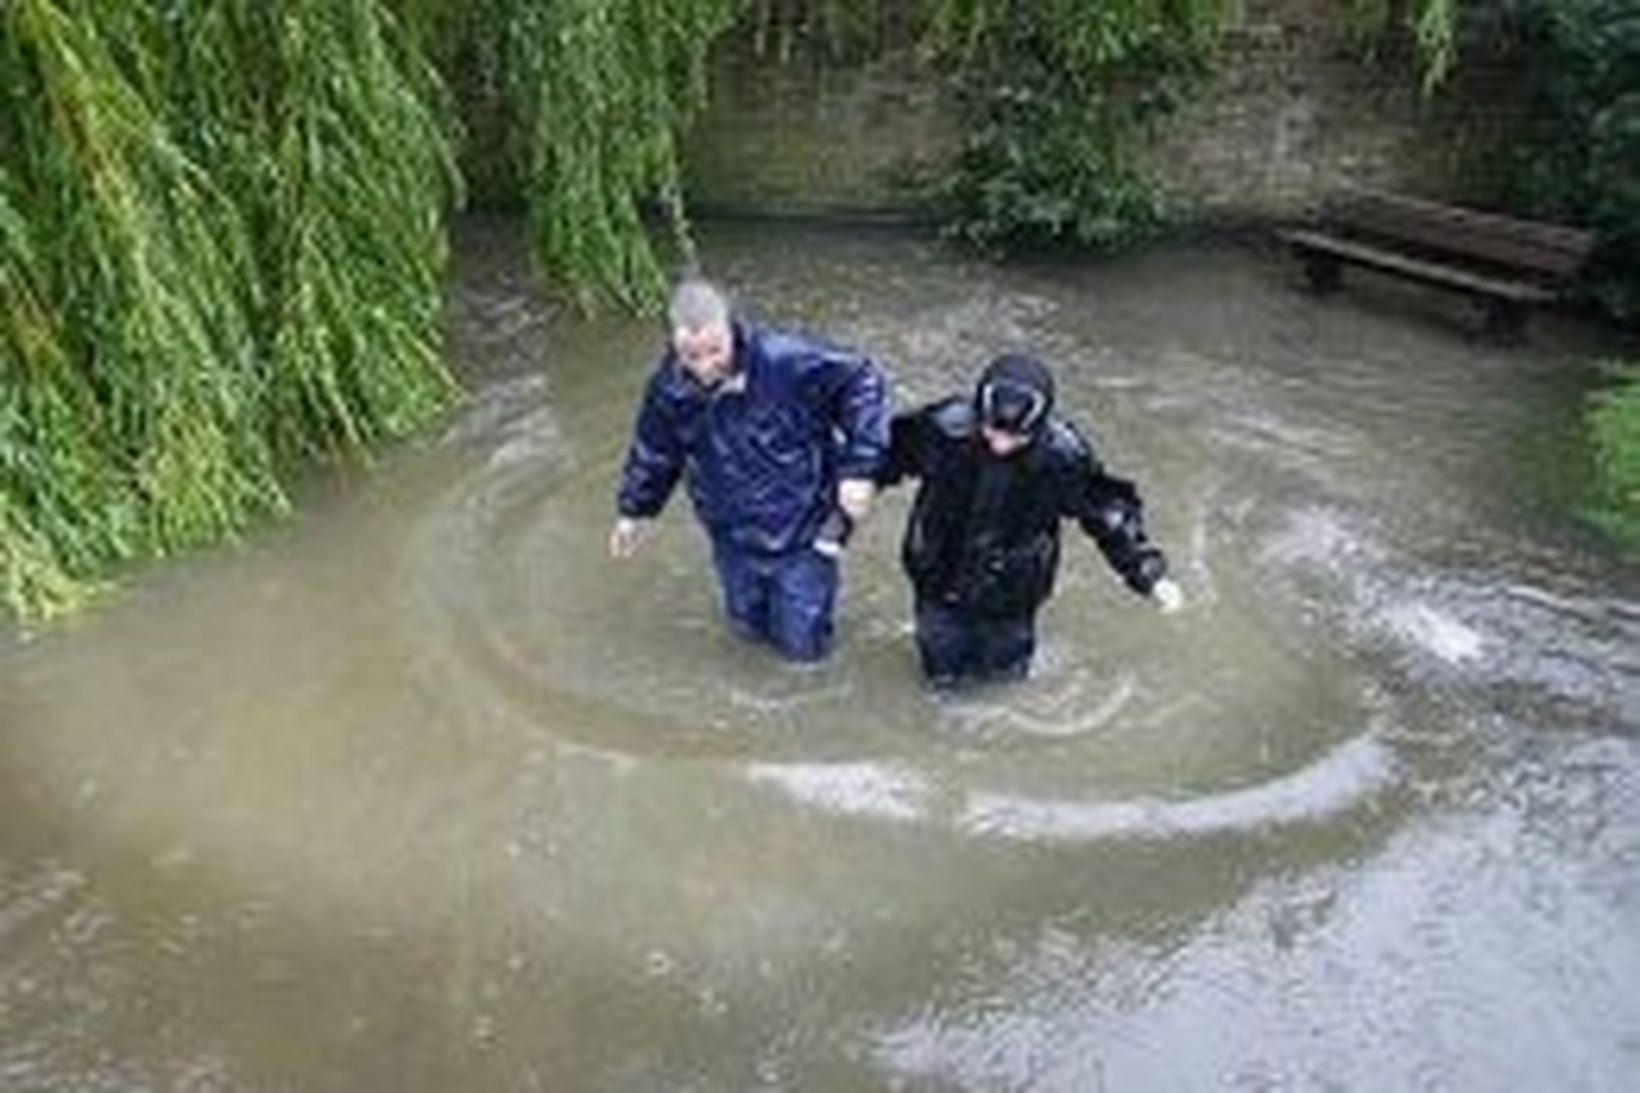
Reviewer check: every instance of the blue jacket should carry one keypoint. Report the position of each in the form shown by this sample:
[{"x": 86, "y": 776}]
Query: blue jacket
[{"x": 762, "y": 460}]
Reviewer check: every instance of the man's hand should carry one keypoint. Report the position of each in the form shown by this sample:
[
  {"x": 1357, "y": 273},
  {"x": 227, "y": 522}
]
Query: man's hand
[
  {"x": 625, "y": 536},
  {"x": 853, "y": 502},
  {"x": 854, "y": 497},
  {"x": 834, "y": 533},
  {"x": 1169, "y": 596}
]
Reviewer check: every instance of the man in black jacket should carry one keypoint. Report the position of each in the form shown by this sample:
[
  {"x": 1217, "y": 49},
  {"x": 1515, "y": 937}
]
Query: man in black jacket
[{"x": 998, "y": 473}]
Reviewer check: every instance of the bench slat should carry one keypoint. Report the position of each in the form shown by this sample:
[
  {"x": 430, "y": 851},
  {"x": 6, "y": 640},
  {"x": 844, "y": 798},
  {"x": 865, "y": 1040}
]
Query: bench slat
[
  {"x": 1353, "y": 251},
  {"x": 1547, "y": 250}
]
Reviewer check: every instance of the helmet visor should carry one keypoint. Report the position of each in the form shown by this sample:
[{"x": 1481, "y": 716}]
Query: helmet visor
[{"x": 1012, "y": 407}]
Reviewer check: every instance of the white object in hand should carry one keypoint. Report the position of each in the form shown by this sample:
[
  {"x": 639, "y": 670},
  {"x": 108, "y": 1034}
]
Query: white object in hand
[
  {"x": 854, "y": 496},
  {"x": 624, "y": 536},
  {"x": 1168, "y": 595}
]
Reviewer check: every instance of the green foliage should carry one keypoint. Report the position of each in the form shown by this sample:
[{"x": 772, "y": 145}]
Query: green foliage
[
  {"x": 1434, "y": 29},
  {"x": 1576, "y": 160},
  {"x": 595, "y": 94},
  {"x": 221, "y": 245},
  {"x": 1062, "y": 96},
  {"x": 1430, "y": 27},
  {"x": 222, "y": 237},
  {"x": 1579, "y": 159},
  {"x": 221, "y": 221},
  {"x": 603, "y": 89},
  {"x": 1614, "y": 428}
]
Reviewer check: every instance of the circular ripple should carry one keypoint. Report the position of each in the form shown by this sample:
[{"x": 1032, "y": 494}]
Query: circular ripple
[{"x": 1133, "y": 726}]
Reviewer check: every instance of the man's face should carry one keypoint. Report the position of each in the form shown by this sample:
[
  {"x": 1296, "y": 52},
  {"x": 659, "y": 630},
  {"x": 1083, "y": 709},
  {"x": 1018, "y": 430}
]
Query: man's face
[
  {"x": 1010, "y": 414},
  {"x": 706, "y": 352},
  {"x": 1001, "y": 442}
]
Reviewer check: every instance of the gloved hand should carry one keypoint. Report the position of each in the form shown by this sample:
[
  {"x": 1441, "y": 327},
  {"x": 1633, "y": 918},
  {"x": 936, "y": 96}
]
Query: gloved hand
[
  {"x": 625, "y": 536},
  {"x": 854, "y": 497},
  {"x": 1168, "y": 595}
]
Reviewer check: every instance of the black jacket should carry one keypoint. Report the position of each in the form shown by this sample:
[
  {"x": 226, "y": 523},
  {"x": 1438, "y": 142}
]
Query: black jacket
[{"x": 983, "y": 535}]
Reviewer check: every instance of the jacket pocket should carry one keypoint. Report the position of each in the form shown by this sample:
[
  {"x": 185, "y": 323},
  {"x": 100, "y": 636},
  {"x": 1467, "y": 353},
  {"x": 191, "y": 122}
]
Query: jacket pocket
[{"x": 1012, "y": 581}]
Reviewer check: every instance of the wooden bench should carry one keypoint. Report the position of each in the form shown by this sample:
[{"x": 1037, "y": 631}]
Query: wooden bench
[{"x": 1504, "y": 264}]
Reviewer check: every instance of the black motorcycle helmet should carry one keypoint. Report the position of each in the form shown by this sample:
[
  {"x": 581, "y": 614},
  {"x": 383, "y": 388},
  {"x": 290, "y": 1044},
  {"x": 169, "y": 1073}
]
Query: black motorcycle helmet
[{"x": 1015, "y": 394}]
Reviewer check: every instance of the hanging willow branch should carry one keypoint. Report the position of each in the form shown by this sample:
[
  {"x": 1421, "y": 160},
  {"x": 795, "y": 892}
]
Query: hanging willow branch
[
  {"x": 601, "y": 90},
  {"x": 220, "y": 249},
  {"x": 1430, "y": 25},
  {"x": 593, "y": 97},
  {"x": 221, "y": 237},
  {"x": 221, "y": 221}
]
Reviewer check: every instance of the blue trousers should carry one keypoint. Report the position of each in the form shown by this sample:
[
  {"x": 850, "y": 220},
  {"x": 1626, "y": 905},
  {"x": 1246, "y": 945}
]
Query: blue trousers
[
  {"x": 783, "y": 600},
  {"x": 956, "y": 647}
]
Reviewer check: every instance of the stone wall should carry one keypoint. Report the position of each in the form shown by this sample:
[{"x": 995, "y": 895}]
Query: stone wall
[
  {"x": 1293, "y": 110},
  {"x": 803, "y": 137}
]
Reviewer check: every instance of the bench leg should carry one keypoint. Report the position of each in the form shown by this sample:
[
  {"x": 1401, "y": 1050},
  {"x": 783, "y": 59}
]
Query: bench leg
[
  {"x": 1505, "y": 321},
  {"x": 1324, "y": 273}
]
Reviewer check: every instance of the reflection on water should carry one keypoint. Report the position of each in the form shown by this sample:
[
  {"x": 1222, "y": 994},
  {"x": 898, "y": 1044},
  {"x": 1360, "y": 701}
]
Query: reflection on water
[{"x": 423, "y": 792}]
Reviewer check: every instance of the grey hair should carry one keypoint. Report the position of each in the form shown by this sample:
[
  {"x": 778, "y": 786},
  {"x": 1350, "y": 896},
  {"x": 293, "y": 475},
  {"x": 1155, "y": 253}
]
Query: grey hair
[{"x": 696, "y": 303}]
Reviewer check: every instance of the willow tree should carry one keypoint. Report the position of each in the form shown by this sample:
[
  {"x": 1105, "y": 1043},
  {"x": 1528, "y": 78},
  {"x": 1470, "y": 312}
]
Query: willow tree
[
  {"x": 221, "y": 245},
  {"x": 222, "y": 221},
  {"x": 594, "y": 96}
]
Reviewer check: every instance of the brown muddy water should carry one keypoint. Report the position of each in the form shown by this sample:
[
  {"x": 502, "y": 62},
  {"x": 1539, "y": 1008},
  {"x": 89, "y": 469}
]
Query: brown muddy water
[{"x": 420, "y": 792}]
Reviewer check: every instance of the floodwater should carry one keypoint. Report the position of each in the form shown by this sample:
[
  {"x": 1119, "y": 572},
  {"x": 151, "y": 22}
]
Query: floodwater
[{"x": 421, "y": 792}]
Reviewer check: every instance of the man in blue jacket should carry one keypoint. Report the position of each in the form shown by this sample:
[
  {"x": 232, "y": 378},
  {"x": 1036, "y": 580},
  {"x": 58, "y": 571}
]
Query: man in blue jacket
[
  {"x": 998, "y": 473},
  {"x": 779, "y": 437}
]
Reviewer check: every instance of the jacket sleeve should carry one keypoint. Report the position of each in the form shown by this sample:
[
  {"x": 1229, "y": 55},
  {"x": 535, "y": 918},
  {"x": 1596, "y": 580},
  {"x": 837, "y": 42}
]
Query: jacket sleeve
[
  {"x": 909, "y": 444},
  {"x": 1111, "y": 512},
  {"x": 654, "y": 459},
  {"x": 854, "y": 394}
]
